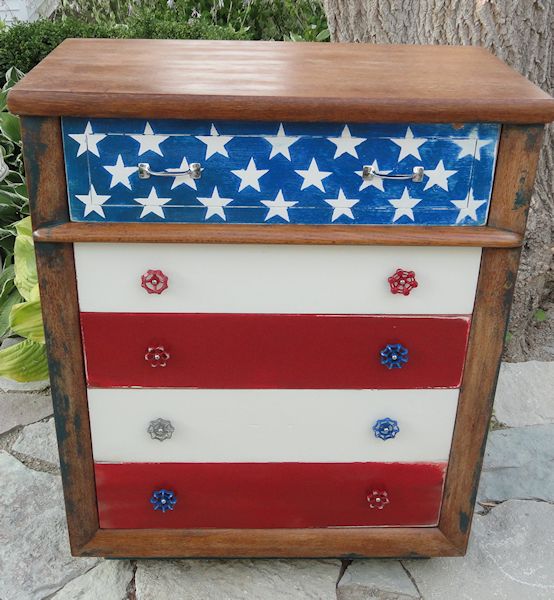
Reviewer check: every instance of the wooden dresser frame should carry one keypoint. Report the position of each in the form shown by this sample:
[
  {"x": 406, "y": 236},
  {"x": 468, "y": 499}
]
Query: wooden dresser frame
[{"x": 54, "y": 235}]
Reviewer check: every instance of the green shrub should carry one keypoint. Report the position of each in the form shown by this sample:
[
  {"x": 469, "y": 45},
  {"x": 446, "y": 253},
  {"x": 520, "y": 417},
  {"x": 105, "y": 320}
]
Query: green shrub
[
  {"x": 14, "y": 204},
  {"x": 150, "y": 26},
  {"x": 25, "y": 44},
  {"x": 264, "y": 19}
]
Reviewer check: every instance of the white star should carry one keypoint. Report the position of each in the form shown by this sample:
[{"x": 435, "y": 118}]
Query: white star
[
  {"x": 404, "y": 205},
  {"x": 215, "y": 205},
  {"x": 346, "y": 144},
  {"x": 374, "y": 181},
  {"x": 281, "y": 143},
  {"x": 149, "y": 141},
  {"x": 93, "y": 202},
  {"x": 152, "y": 204},
  {"x": 313, "y": 176},
  {"x": 278, "y": 207},
  {"x": 409, "y": 145},
  {"x": 471, "y": 145},
  {"x": 342, "y": 206},
  {"x": 120, "y": 173},
  {"x": 438, "y": 176},
  {"x": 87, "y": 140},
  {"x": 180, "y": 179},
  {"x": 467, "y": 207},
  {"x": 250, "y": 176},
  {"x": 215, "y": 143}
]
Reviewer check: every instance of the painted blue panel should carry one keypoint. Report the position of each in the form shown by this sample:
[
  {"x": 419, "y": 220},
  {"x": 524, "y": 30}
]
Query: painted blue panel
[{"x": 271, "y": 173}]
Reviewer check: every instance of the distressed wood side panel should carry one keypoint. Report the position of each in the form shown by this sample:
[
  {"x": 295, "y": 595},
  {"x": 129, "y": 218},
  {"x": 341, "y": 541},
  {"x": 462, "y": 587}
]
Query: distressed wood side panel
[
  {"x": 515, "y": 173},
  {"x": 56, "y": 273}
]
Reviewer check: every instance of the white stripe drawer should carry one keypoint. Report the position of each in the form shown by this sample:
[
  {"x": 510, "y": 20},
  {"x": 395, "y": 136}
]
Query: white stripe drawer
[
  {"x": 271, "y": 425},
  {"x": 214, "y": 278}
]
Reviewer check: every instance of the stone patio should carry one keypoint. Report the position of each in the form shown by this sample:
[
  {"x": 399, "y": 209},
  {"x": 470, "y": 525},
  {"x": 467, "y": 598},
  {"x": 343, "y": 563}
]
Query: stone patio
[{"x": 511, "y": 553}]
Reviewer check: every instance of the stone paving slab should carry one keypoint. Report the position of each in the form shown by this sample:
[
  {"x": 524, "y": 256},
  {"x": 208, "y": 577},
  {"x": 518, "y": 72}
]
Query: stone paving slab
[
  {"x": 510, "y": 557},
  {"x": 39, "y": 441},
  {"x": 35, "y": 560},
  {"x": 109, "y": 580},
  {"x": 376, "y": 579},
  {"x": 519, "y": 463},
  {"x": 525, "y": 394},
  {"x": 237, "y": 579},
  {"x": 21, "y": 409}
]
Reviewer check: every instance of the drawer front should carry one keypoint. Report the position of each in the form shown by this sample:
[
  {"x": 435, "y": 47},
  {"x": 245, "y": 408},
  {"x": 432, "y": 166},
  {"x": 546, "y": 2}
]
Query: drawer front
[
  {"x": 273, "y": 351},
  {"x": 227, "y": 278},
  {"x": 268, "y": 495},
  {"x": 279, "y": 173},
  {"x": 271, "y": 425}
]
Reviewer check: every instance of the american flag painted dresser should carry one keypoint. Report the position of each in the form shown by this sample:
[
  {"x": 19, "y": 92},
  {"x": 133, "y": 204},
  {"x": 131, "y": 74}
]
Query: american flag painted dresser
[{"x": 275, "y": 281}]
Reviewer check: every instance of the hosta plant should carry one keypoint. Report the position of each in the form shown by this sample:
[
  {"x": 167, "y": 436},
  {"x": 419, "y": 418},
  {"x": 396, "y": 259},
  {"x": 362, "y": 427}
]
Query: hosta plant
[
  {"x": 20, "y": 315},
  {"x": 26, "y": 359}
]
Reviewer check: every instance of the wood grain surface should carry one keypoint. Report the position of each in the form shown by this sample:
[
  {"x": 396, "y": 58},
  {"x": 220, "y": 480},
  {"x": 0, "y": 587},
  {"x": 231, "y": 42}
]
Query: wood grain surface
[
  {"x": 205, "y": 233},
  {"x": 341, "y": 542},
  {"x": 278, "y": 81}
]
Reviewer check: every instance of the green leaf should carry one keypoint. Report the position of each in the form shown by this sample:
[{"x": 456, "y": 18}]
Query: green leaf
[
  {"x": 9, "y": 196},
  {"x": 25, "y": 267},
  {"x": 25, "y": 361},
  {"x": 6, "y": 304},
  {"x": 26, "y": 321},
  {"x": 295, "y": 37},
  {"x": 9, "y": 126},
  {"x": 13, "y": 75},
  {"x": 24, "y": 227},
  {"x": 540, "y": 315},
  {"x": 323, "y": 35},
  {"x": 6, "y": 280}
]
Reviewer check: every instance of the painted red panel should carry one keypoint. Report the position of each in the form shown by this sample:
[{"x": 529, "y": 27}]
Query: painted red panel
[
  {"x": 272, "y": 351},
  {"x": 252, "y": 495}
]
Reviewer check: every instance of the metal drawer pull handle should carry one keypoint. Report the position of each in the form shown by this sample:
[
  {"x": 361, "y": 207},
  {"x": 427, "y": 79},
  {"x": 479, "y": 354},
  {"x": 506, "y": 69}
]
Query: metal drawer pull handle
[
  {"x": 163, "y": 500},
  {"x": 157, "y": 356},
  {"x": 378, "y": 499},
  {"x": 160, "y": 429},
  {"x": 368, "y": 173},
  {"x": 386, "y": 429},
  {"x": 144, "y": 171}
]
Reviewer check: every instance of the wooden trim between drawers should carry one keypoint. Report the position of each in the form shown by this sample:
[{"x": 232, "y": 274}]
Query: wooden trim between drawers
[
  {"x": 205, "y": 233},
  {"x": 518, "y": 156}
]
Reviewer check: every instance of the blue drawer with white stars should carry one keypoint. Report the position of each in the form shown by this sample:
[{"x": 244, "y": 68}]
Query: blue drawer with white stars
[{"x": 134, "y": 170}]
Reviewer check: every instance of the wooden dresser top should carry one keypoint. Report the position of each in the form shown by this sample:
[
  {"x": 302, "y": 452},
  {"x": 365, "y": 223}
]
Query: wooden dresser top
[{"x": 279, "y": 81}]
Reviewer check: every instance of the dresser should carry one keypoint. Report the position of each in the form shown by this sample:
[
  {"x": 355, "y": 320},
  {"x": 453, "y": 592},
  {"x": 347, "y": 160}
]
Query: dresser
[{"x": 275, "y": 281}]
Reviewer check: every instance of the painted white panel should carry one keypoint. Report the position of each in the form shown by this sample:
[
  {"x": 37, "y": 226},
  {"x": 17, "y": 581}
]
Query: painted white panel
[
  {"x": 271, "y": 425},
  {"x": 228, "y": 278}
]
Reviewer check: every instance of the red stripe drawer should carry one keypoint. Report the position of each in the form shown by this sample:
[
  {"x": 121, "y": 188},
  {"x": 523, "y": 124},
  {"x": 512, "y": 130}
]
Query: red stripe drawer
[
  {"x": 267, "y": 495},
  {"x": 272, "y": 351}
]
